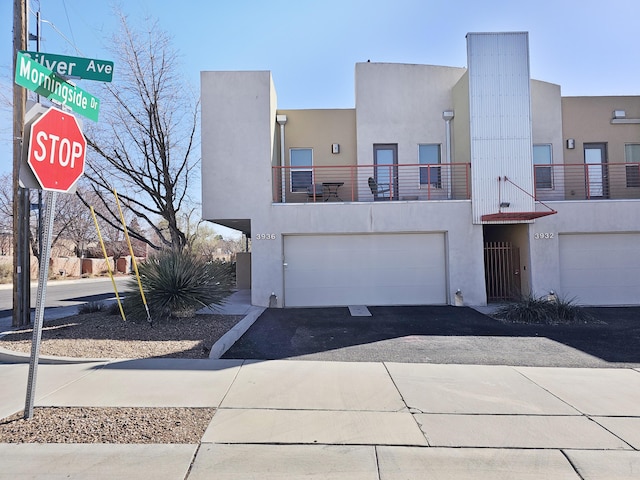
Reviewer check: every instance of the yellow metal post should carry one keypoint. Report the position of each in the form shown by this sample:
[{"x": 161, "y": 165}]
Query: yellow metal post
[
  {"x": 106, "y": 257},
  {"x": 133, "y": 257}
]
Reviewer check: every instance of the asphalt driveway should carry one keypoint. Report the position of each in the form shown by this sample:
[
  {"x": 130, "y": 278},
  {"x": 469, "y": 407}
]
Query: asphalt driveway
[{"x": 440, "y": 334}]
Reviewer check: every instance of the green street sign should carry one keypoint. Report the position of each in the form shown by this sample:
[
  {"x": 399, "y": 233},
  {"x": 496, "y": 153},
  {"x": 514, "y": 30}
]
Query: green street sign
[
  {"x": 33, "y": 76},
  {"x": 75, "y": 67}
]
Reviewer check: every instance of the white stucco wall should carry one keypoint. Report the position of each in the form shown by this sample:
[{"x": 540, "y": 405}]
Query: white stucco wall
[
  {"x": 610, "y": 216},
  {"x": 238, "y": 123},
  {"x": 465, "y": 261},
  {"x": 401, "y": 104}
]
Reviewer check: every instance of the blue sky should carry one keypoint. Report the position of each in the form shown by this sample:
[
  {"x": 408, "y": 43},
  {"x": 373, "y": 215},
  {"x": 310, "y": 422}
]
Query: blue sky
[{"x": 589, "y": 47}]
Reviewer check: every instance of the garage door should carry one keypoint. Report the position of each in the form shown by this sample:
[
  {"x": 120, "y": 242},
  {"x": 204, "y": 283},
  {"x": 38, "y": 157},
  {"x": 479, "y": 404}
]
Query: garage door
[
  {"x": 601, "y": 269},
  {"x": 394, "y": 269}
]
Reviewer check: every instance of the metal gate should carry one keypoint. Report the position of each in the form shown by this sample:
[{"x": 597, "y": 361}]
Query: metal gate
[{"x": 502, "y": 271}]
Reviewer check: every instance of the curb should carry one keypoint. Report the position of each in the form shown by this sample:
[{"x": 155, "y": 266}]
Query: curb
[{"x": 225, "y": 342}]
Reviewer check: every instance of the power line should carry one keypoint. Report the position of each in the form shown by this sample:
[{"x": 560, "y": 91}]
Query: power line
[
  {"x": 56, "y": 29},
  {"x": 64, "y": 4}
]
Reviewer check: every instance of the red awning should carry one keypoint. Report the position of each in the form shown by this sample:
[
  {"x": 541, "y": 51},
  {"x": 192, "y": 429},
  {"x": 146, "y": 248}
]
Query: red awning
[{"x": 515, "y": 216}]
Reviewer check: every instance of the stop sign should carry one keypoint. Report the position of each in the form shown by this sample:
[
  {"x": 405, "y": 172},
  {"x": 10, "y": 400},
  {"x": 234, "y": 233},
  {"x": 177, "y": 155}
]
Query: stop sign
[{"x": 57, "y": 150}]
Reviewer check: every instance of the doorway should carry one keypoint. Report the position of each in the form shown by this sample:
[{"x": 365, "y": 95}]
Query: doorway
[
  {"x": 505, "y": 261},
  {"x": 385, "y": 159},
  {"x": 596, "y": 170}
]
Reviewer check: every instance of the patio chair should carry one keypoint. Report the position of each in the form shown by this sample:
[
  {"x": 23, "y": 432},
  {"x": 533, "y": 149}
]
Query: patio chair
[
  {"x": 315, "y": 192},
  {"x": 378, "y": 188}
]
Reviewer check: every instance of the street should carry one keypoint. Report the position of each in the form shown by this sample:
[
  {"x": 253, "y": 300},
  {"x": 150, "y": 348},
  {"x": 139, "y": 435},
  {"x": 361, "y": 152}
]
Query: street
[{"x": 65, "y": 293}]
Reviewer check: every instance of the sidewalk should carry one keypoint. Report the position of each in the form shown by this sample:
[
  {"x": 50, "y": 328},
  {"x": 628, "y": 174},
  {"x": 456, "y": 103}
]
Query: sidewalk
[{"x": 286, "y": 419}]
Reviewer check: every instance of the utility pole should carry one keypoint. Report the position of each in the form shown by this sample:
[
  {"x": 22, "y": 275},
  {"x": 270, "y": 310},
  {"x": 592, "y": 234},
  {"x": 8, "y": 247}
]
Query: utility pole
[{"x": 21, "y": 261}]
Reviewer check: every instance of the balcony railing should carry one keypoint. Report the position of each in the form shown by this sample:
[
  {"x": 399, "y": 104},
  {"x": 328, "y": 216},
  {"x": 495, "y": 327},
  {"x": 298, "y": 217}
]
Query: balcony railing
[
  {"x": 600, "y": 181},
  {"x": 369, "y": 183}
]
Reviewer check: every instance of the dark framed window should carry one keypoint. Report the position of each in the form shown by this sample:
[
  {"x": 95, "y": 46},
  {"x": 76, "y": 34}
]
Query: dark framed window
[
  {"x": 301, "y": 169},
  {"x": 543, "y": 174},
  {"x": 430, "y": 173},
  {"x": 632, "y": 158}
]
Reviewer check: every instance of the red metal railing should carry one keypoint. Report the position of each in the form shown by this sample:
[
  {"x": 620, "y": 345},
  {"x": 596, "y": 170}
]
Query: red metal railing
[
  {"x": 350, "y": 183},
  {"x": 587, "y": 181},
  {"x": 368, "y": 183}
]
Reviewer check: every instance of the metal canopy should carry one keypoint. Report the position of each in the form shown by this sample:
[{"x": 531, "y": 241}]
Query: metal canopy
[{"x": 515, "y": 216}]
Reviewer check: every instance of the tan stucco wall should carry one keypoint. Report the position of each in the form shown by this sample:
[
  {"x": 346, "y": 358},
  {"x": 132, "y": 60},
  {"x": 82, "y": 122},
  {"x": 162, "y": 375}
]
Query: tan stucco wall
[
  {"x": 588, "y": 120},
  {"x": 319, "y": 130},
  {"x": 546, "y": 114}
]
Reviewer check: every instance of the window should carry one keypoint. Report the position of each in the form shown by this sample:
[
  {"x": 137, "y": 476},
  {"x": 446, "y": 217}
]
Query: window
[
  {"x": 429, "y": 155},
  {"x": 543, "y": 175},
  {"x": 301, "y": 171},
  {"x": 632, "y": 156}
]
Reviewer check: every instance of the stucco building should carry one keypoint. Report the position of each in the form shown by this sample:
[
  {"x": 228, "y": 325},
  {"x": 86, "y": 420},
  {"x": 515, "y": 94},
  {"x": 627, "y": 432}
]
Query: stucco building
[{"x": 443, "y": 185}]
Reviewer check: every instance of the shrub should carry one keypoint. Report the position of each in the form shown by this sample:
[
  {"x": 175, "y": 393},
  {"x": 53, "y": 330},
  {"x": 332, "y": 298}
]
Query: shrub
[
  {"x": 6, "y": 273},
  {"x": 91, "y": 307},
  {"x": 542, "y": 310},
  {"x": 176, "y": 284},
  {"x": 113, "y": 308}
]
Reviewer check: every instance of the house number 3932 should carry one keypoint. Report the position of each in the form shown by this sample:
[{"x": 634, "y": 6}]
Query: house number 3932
[
  {"x": 543, "y": 236},
  {"x": 266, "y": 236}
]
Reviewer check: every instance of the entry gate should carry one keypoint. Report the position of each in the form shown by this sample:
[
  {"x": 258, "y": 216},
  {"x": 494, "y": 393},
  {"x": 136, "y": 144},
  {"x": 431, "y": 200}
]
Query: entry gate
[{"x": 502, "y": 271}]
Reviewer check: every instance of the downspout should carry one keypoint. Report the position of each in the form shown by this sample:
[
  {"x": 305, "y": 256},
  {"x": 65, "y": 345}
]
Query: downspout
[
  {"x": 282, "y": 120},
  {"x": 448, "y": 115}
]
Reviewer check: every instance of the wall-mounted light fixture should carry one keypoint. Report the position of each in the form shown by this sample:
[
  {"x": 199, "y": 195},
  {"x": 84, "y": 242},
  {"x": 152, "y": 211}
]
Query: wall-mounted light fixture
[
  {"x": 335, "y": 148},
  {"x": 619, "y": 114},
  {"x": 447, "y": 115},
  {"x": 571, "y": 143},
  {"x": 505, "y": 204}
]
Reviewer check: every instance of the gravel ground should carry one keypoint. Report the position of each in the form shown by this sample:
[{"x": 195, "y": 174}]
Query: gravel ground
[
  {"x": 107, "y": 425},
  {"x": 99, "y": 335}
]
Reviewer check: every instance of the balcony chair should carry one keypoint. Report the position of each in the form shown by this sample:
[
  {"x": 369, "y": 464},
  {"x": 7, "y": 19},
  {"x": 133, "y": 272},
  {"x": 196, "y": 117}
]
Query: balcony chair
[
  {"x": 315, "y": 192},
  {"x": 379, "y": 188}
]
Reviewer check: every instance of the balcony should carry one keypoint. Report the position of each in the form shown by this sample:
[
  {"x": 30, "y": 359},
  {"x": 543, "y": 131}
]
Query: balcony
[
  {"x": 371, "y": 183},
  {"x": 601, "y": 181}
]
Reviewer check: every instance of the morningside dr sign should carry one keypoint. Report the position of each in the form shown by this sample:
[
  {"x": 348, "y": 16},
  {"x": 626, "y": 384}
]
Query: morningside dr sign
[{"x": 33, "y": 76}]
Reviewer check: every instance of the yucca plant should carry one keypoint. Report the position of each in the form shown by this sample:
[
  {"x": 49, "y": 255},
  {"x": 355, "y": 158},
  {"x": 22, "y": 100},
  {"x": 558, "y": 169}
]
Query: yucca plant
[
  {"x": 528, "y": 309},
  {"x": 567, "y": 311},
  {"x": 543, "y": 310},
  {"x": 176, "y": 284}
]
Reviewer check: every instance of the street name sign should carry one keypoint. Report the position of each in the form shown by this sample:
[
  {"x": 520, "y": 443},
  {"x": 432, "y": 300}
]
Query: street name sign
[
  {"x": 57, "y": 150},
  {"x": 74, "y": 67},
  {"x": 33, "y": 76}
]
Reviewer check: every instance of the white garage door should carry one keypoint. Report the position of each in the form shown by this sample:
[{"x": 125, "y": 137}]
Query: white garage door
[
  {"x": 601, "y": 269},
  {"x": 394, "y": 269}
]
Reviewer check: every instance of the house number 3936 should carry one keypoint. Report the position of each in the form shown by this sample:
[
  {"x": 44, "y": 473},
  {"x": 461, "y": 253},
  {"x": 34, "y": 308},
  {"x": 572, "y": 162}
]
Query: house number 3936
[
  {"x": 543, "y": 236},
  {"x": 266, "y": 236}
]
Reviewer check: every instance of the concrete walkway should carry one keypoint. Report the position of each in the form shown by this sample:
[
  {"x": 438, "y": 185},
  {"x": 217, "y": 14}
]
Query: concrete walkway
[{"x": 287, "y": 419}]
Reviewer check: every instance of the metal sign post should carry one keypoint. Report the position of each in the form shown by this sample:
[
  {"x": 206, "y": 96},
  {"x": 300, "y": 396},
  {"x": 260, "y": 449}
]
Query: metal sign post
[{"x": 50, "y": 203}]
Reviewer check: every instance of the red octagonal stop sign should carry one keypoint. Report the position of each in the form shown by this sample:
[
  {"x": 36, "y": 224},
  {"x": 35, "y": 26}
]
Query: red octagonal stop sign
[{"x": 57, "y": 150}]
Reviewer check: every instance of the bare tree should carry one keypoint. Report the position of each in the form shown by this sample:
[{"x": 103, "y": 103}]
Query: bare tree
[
  {"x": 72, "y": 222},
  {"x": 144, "y": 143},
  {"x": 6, "y": 214}
]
